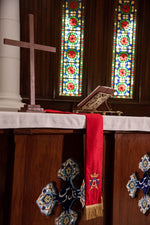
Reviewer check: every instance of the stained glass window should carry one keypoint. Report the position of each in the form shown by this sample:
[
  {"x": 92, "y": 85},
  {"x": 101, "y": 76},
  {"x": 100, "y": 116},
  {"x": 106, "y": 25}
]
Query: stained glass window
[
  {"x": 124, "y": 49},
  {"x": 72, "y": 48}
]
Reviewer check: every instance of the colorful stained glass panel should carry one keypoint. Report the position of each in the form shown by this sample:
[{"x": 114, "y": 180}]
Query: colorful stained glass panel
[
  {"x": 72, "y": 48},
  {"x": 124, "y": 49}
]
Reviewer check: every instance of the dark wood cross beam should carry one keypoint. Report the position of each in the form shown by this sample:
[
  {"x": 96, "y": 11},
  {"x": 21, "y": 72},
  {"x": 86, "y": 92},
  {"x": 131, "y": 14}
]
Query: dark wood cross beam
[{"x": 32, "y": 46}]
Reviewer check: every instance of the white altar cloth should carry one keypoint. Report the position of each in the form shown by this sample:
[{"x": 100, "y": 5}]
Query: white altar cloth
[{"x": 13, "y": 120}]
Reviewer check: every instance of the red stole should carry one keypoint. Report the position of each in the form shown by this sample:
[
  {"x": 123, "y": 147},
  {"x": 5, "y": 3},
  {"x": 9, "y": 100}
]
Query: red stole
[{"x": 94, "y": 159}]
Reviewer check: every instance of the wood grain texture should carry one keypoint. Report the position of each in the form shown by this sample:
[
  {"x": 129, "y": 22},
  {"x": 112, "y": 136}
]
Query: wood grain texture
[
  {"x": 129, "y": 148},
  {"x": 45, "y": 20},
  {"x": 108, "y": 165},
  {"x": 6, "y": 174},
  {"x": 38, "y": 157}
]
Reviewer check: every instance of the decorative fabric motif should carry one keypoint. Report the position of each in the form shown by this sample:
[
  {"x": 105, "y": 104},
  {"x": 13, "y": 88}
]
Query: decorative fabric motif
[
  {"x": 82, "y": 194},
  {"x": 144, "y": 204},
  {"x": 131, "y": 185},
  {"x": 66, "y": 197},
  {"x": 144, "y": 164},
  {"x": 94, "y": 182},
  {"x": 47, "y": 199},
  {"x": 144, "y": 184},
  {"x": 66, "y": 218}
]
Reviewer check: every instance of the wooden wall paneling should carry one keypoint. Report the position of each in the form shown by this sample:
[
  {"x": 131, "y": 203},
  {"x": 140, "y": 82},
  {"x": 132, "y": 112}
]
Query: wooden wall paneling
[
  {"x": 45, "y": 63},
  {"x": 108, "y": 33},
  {"x": 94, "y": 45},
  {"x": 39, "y": 155},
  {"x": 129, "y": 109},
  {"x": 6, "y": 168},
  {"x": 138, "y": 47},
  {"x": 144, "y": 52},
  {"x": 129, "y": 148},
  {"x": 108, "y": 165},
  {"x": 99, "y": 19},
  {"x": 36, "y": 173}
]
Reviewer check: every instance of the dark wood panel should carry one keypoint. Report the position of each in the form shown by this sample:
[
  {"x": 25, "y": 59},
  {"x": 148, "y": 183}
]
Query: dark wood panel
[
  {"x": 99, "y": 22},
  {"x": 129, "y": 148},
  {"x": 45, "y": 20},
  {"x": 134, "y": 109},
  {"x": 38, "y": 157},
  {"x": 48, "y": 131},
  {"x": 108, "y": 165},
  {"x": 143, "y": 50},
  {"x": 94, "y": 43},
  {"x": 6, "y": 165}
]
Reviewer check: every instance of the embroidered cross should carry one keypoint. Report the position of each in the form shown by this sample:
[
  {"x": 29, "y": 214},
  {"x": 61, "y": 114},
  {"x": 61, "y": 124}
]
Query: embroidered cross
[
  {"x": 144, "y": 184},
  {"x": 66, "y": 197}
]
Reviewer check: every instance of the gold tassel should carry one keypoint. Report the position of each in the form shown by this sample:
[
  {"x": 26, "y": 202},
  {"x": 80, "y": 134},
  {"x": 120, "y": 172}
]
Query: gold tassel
[{"x": 93, "y": 211}]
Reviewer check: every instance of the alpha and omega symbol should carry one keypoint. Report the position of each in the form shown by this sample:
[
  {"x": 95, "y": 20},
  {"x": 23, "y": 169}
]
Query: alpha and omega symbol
[{"x": 94, "y": 181}]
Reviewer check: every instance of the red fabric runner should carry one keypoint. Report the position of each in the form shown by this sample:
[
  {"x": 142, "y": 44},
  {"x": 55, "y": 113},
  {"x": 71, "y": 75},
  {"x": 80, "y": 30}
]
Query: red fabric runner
[{"x": 93, "y": 157}]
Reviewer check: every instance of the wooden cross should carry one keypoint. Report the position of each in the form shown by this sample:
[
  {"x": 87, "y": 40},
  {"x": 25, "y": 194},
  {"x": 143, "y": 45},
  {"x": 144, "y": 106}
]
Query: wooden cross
[{"x": 32, "y": 46}]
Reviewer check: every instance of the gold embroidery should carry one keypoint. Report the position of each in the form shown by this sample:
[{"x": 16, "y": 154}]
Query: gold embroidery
[{"x": 94, "y": 181}]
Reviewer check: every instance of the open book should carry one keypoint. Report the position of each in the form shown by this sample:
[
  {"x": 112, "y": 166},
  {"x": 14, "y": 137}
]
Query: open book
[{"x": 96, "y": 98}]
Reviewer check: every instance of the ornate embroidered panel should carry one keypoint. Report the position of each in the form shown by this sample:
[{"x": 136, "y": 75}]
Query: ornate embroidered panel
[
  {"x": 66, "y": 197},
  {"x": 143, "y": 184},
  {"x": 72, "y": 48},
  {"x": 123, "y": 58}
]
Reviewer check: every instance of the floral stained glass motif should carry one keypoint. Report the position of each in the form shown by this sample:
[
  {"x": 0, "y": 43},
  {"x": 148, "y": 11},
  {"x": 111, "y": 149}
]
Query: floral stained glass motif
[
  {"x": 124, "y": 49},
  {"x": 70, "y": 83}
]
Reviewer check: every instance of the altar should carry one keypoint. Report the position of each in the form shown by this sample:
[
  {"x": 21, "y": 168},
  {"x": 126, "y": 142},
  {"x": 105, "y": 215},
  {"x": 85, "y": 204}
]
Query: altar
[{"x": 33, "y": 148}]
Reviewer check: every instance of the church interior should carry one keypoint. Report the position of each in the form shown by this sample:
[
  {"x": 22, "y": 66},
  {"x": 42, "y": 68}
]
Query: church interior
[
  {"x": 91, "y": 43},
  {"x": 97, "y": 59}
]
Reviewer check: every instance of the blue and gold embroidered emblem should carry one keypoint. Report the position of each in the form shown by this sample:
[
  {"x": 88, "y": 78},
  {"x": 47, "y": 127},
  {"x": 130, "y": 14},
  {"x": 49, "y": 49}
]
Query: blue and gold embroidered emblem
[
  {"x": 94, "y": 182},
  {"x": 66, "y": 197},
  {"x": 144, "y": 184}
]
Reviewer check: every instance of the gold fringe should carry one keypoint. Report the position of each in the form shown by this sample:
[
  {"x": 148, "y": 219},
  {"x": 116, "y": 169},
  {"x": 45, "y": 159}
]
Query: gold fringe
[{"x": 93, "y": 211}]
